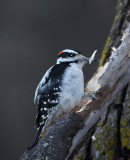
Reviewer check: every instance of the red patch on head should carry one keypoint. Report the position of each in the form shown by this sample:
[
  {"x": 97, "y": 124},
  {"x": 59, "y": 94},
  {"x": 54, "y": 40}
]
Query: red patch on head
[{"x": 60, "y": 53}]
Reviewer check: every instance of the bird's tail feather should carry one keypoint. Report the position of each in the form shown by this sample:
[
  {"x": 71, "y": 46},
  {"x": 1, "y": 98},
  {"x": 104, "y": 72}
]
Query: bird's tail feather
[{"x": 36, "y": 138}]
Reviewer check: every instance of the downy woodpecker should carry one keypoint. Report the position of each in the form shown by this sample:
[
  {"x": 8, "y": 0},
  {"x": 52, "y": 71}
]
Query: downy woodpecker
[{"x": 60, "y": 90}]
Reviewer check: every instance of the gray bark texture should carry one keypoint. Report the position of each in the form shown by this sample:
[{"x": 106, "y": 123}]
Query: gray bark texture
[{"x": 99, "y": 130}]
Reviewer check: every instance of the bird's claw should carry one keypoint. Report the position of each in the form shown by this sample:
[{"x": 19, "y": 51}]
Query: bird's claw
[{"x": 92, "y": 95}]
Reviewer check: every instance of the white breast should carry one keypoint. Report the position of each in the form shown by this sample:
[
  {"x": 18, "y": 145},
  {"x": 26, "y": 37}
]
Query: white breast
[{"x": 72, "y": 88}]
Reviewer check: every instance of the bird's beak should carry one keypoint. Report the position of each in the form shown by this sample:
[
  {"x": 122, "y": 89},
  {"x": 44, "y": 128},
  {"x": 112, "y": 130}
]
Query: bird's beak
[
  {"x": 84, "y": 59},
  {"x": 88, "y": 60}
]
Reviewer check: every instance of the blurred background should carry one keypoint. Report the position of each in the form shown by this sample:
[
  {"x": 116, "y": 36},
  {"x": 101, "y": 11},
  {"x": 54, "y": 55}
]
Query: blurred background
[{"x": 31, "y": 34}]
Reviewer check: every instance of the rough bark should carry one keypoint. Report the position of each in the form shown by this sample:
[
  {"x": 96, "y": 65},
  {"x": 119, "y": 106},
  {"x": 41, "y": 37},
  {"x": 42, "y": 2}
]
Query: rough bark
[
  {"x": 106, "y": 121},
  {"x": 111, "y": 139}
]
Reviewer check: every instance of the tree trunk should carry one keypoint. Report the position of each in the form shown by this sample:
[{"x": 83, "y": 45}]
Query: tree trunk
[{"x": 99, "y": 130}]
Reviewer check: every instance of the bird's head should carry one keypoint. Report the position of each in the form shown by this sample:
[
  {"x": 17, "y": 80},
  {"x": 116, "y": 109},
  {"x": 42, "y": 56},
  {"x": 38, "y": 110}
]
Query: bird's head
[{"x": 71, "y": 56}]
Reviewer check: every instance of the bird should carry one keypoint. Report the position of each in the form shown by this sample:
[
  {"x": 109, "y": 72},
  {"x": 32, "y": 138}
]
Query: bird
[{"x": 60, "y": 90}]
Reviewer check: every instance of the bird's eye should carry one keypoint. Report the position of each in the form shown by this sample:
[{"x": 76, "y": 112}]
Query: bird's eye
[{"x": 72, "y": 55}]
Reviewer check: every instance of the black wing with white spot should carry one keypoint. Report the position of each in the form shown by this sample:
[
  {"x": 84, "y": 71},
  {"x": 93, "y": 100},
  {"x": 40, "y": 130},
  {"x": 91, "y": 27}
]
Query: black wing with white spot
[
  {"x": 48, "y": 99},
  {"x": 48, "y": 91},
  {"x": 46, "y": 96}
]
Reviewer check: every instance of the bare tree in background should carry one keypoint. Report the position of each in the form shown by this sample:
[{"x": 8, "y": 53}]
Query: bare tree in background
[{"x": 100, "y": 129}]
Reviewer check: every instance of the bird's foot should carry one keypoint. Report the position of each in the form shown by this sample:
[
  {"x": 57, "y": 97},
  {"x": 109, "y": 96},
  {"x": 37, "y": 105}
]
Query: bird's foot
[{"x": 92, "y": 95}]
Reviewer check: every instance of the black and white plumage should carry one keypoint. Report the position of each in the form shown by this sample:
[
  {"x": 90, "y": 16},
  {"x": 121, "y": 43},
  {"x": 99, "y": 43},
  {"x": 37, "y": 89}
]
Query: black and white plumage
[{"x": 60, "y": 90}]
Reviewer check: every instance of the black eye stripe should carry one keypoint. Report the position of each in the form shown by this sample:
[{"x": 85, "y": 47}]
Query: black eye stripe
[{"x": 66, "y": 54}]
